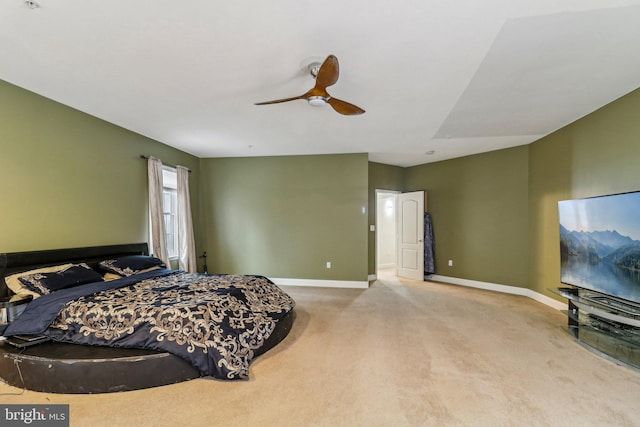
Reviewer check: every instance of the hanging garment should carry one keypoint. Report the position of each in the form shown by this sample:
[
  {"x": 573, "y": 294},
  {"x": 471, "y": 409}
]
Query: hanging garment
[{"x": 429, "y": 246}]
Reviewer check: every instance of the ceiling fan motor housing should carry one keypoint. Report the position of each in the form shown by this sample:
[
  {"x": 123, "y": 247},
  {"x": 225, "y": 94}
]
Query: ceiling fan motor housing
[{"x": 317, "y": 101}]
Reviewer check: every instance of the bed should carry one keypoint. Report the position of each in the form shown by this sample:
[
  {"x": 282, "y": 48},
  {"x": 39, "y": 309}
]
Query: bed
[{"x": 116, "y": 309}]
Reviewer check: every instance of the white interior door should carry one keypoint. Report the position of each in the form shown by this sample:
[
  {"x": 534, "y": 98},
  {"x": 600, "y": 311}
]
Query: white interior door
[{"x": 411, "y": 235}]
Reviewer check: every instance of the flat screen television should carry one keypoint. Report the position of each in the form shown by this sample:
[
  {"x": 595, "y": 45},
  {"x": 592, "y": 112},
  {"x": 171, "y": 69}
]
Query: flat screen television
[{"x": 600, "y": 244}]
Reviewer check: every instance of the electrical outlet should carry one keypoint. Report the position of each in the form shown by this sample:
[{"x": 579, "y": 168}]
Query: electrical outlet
[
  {"x": 328, "y": 264},
  {"x": 450, "y": 263}
]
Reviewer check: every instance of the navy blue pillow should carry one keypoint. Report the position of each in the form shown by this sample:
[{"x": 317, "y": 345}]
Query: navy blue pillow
[
  {"x": 44, "y": 283},
  {"x": 128, "y": 265}
]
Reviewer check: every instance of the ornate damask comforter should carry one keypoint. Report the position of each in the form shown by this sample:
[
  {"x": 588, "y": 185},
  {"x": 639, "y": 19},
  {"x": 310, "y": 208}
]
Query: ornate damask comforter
[{"x": 214, "y": 322}]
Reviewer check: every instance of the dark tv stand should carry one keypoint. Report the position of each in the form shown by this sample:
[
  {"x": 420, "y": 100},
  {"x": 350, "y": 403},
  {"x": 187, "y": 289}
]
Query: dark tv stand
[{"x": 607, "y": 325}]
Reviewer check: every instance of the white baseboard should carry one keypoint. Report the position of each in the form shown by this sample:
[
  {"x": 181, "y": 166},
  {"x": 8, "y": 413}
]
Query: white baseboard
[
  {"x": 322, "y": 283},
  {"x": 515, "y": 290},
  {"x": 386, "y": 265},
  {"x": 349, "y": 284}
]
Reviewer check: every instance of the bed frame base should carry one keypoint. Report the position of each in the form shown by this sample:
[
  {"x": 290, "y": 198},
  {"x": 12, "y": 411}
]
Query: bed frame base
[{"x": 68, "y": 368}]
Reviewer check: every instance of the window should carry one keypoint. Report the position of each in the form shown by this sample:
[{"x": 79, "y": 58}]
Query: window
[{"x": 170, "y": 209}]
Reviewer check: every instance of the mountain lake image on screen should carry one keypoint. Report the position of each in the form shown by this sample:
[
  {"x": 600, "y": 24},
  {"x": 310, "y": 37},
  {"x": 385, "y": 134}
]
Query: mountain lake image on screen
[{"x": 600, "y": 244}]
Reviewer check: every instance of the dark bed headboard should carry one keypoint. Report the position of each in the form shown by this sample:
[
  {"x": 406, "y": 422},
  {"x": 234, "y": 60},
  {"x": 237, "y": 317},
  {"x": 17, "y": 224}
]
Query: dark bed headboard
[{"x": 15, "y": 262}]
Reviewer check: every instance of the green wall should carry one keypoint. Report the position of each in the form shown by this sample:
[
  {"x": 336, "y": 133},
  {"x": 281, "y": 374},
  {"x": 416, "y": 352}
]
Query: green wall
[
  {"x": 286, "y": 217},
  {"x": 70, "y": 179},
  {"x": 479, "y": 208},
  {"x": 596, "y": 155}
]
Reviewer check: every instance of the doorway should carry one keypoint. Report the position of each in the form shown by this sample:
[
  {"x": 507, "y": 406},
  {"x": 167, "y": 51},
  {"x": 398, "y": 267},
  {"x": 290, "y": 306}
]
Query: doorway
[
  {"x": 400, "y": 233},
  {"x": 386, "y": 222}
]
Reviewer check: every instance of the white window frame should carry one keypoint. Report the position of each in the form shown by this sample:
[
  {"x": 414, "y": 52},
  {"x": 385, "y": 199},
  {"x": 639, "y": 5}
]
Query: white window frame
[{"x": 170, "y": 209}]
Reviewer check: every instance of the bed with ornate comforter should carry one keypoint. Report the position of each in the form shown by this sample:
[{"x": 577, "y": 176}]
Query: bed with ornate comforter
[{"x": 218, "y": 323}]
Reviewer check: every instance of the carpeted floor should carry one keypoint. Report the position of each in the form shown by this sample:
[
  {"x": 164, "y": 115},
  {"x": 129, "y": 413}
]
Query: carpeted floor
[{"x": 400, "y": 353}]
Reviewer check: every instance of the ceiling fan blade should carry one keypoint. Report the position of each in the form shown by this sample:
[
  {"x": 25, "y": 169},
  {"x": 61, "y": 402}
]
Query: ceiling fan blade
[
  {"x": 328, "y": 73},
  {"x": 344, "y": 107},
  {"x": 277, "y": 101}
]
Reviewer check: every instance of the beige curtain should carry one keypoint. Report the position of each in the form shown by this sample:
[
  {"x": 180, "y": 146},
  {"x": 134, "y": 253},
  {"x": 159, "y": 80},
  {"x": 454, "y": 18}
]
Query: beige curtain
[
  {"x": 156, "y": 212},
  {"x": 186, "y": 244}
]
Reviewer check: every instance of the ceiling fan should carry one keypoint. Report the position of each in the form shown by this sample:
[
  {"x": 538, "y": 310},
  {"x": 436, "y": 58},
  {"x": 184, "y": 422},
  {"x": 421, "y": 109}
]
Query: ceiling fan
[{"x": 326, "y": 74}]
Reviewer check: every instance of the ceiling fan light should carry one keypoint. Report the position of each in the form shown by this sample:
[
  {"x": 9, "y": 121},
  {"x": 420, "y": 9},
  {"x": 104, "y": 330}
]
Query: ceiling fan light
[{"x": 317, "y": 101}]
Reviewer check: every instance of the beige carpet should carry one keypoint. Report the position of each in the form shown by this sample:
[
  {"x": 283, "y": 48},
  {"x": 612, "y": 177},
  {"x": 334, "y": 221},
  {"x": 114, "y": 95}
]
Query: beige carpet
[{"x": 401, "y": 353}]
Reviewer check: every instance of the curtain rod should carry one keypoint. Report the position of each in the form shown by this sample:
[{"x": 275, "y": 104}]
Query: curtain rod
[{"x": 142, "y": 156}]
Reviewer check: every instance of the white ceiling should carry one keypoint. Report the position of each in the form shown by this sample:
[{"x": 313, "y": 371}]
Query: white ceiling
[{"x": 458, "y": 77}]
